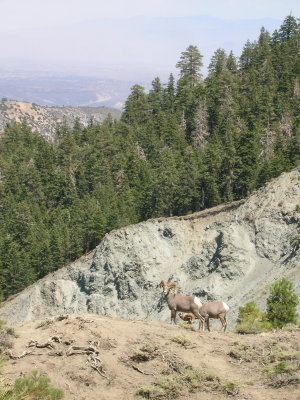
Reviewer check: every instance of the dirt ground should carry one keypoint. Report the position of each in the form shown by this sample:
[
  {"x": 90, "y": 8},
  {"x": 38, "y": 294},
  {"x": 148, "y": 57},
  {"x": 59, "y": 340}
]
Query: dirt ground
[{"x": 100, "y": 358}]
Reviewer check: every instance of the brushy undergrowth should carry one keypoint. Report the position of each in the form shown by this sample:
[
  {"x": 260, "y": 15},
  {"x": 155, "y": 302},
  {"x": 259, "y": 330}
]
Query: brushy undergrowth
[
  {"x": 246, "y": 328},
  {"x": 191, "y": 381},
  {"x": 145, "y": 352}
]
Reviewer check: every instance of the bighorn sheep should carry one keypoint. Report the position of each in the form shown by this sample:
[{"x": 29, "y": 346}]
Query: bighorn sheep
[
  {"x": 214, "y": 309},
  {"x": 178, "y": 302}
]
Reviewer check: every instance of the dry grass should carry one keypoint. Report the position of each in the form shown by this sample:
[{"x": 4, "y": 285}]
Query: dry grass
[{"x": 182, "y": 340}]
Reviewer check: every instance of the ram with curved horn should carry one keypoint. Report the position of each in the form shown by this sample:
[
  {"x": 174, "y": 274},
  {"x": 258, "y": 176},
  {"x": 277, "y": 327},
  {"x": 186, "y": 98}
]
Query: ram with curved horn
[{"x": 178, "y": 302}]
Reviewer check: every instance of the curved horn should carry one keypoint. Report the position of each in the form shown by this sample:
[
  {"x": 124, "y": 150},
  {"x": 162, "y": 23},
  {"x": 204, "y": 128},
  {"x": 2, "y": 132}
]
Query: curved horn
[
  {"x": 163, "y": 283},
  {"x": 172, "y": 284}
]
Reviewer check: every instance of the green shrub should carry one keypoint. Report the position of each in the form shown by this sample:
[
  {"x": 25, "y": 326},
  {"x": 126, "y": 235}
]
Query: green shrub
[
  {"x": 35, "y": 386},
  {"x": 249, "y": 312},
  {"x": 251, "y": 319},
  {"x": 281, "y": 368},
  {"x": 282, "y": 304},
  {"x": 231, "y": 388}
]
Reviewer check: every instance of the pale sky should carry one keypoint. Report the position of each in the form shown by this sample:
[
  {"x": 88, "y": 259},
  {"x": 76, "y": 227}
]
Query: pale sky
[
  {"x": 97, "y": 34},
  {"x": 18, "y": 14}
]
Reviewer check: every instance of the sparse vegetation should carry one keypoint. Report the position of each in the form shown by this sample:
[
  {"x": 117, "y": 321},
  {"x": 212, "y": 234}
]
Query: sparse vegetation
[
  {"x": 283, "y": 373},
  {"x": 35, "y": 386},
  {"x": 6, "y": 336},
  {"x": 278, "y": 362},
  {"x": 149, "y": 364},
  {"x": 182, "y": 340},
  {"x": 172, "y": 386},
  {"x": 187, "y": 326}
]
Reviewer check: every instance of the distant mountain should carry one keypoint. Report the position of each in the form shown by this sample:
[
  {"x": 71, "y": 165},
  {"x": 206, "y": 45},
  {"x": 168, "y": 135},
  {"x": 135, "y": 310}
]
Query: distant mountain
[{"x": 44, "y": 119}]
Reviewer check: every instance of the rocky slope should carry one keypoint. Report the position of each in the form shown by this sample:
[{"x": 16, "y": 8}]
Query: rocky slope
[
  {"x": 231, "y": 252},
  {"x": 44, "y": 119}
]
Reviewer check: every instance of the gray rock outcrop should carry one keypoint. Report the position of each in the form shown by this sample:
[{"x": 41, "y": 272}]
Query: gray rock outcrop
[{"x": 231, "y": 253}]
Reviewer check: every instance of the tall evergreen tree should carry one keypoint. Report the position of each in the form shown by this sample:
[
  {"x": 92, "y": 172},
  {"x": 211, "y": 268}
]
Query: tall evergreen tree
[{"x": 189, "y": 65}]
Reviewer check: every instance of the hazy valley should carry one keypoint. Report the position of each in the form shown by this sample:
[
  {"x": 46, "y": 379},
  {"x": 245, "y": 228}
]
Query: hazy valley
[{"x": 60, "y": 90}]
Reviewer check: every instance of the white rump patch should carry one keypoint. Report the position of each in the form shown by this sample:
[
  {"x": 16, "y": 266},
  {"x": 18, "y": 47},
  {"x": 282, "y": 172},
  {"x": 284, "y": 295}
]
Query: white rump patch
[
  {"x": 197, "y": 301},
  {"x": 225, "y": 306}
]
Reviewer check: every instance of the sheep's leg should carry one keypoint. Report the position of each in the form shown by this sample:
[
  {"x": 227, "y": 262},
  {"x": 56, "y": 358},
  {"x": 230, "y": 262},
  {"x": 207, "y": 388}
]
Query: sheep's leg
[
  {"x": 200, "y": 324},
  {"x": 207, "y": 324},
  {"x": 173, "y": 316},
  {"x": 222, "y": 318},
  {"x": 201, "y": 321}
]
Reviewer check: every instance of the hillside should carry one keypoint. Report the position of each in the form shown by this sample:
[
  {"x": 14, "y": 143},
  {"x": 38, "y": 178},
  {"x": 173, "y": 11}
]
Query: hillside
[
  {"x": 44, "y": 119},
  {"x": 232, "y": 252},
  {"x": 101, "y": 358},
  {"x": 180, "y": 147}
]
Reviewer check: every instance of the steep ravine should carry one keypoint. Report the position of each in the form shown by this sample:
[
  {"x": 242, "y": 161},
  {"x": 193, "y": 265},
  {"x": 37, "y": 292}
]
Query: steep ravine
[{"x": 231, "y": 252}]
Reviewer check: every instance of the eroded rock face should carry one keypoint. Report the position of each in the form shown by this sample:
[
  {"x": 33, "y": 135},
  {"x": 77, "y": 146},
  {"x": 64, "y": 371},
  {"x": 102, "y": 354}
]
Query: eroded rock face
[{"x": 231, "y": 253}]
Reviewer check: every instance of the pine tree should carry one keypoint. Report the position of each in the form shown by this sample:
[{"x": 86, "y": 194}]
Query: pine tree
[
  {"x": 155, "y": 97},
  {"x": 282, "y": 304},
  {"x": 189, "y": 88},
  {"x": 189, "y": 65},
  {"x": 169, "y": 96},
  {"x": 288, "y": 29},
  {"x": 136, "y": 110}
]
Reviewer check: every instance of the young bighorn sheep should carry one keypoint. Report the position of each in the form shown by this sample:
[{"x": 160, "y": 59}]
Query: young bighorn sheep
[
  {"x": 214, "y": 309},
  {"x": 187, "y": 317},
  {"x": 178, "y": 302}
]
